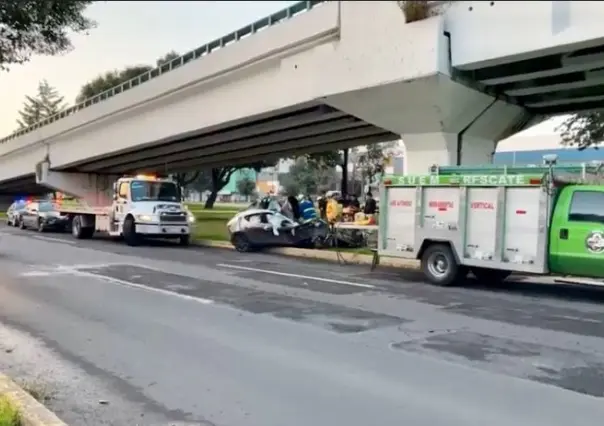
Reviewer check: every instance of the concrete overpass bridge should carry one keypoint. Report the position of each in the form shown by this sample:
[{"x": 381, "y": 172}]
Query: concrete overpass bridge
[{"x": 326, "y": 75}]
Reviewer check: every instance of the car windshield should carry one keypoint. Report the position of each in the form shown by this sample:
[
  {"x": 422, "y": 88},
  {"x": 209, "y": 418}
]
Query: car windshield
[
  {"x": 45, "y": 207},
  {"x": 142, "y": 190}
]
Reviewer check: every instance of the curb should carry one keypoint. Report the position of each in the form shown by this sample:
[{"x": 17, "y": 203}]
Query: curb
[
  {"x": 327, "y": 255},
  {"x": 31, "y": 412}
]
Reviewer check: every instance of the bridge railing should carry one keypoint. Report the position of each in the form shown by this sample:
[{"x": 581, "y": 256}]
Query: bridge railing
[{"x": 200, "y": 52}]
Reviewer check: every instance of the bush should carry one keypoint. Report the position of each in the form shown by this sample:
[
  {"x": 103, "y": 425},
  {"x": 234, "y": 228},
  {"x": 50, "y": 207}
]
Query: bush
[
  {"x": 9, "y": 414},
  {"x": 415, "y": 10}
]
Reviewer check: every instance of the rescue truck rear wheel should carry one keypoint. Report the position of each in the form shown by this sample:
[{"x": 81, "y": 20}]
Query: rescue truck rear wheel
[{"x": 439, "y": 265}]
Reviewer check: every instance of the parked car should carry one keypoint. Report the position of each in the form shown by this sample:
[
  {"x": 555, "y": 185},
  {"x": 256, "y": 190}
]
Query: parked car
[
  {"x": 254, "y": 229},
  {"x": 42, "y": 216},
  {"x": 13, "y": 214}
]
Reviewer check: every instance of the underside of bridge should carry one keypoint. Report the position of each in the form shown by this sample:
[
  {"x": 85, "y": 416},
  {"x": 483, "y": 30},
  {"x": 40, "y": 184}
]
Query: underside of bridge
[
  {"x": 310, "y": 128},
  {"x": 548, "y": 85}
]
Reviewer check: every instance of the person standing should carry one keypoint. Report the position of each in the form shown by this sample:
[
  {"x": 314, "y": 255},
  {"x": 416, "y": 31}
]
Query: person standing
[{"x": 370, "y": 205}]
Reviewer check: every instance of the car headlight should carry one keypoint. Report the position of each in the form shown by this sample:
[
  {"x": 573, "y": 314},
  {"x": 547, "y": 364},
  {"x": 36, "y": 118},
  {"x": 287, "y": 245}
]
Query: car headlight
[{"x": 144, "y": 218}]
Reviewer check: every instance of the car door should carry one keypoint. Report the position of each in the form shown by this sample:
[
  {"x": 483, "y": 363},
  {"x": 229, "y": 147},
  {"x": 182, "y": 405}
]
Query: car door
[
  {"x": 10, "y": 213},
  {"x": 577, "y": 238},
  {"x": 30, "y": 215},
  {"x": 257, "y": 229},
  {"x": 287, "y": 234}
]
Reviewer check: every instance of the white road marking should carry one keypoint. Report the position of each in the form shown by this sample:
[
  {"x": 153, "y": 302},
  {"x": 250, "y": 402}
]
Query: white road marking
[
  {"x": 286, "y": 274},
  {"x": 142, "y": 287},
  {"x": 53, "y": 239},
  {"x": 73, "y": 270}
]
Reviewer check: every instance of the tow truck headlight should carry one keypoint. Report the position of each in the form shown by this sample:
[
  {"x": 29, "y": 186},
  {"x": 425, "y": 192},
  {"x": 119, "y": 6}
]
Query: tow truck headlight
[
  {"x": 190, "y": 217},
  {"x": 144, "y": 218}
]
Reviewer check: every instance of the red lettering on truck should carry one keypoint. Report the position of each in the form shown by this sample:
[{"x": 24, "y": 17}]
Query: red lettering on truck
[
  {"x": 482, "y": 205},
  {"x": 442, "y": 206},
  {"x": 400, "y": 203}
]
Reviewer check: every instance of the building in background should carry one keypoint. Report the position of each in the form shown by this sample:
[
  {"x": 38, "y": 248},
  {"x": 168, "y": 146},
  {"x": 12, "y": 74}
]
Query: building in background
[
  {"x": 528, "y": 149},
  {"x": 522, "y": 150}
]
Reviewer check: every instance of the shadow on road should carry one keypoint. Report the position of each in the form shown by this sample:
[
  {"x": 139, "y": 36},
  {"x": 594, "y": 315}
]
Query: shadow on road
[{"x": 528, "y": 286}]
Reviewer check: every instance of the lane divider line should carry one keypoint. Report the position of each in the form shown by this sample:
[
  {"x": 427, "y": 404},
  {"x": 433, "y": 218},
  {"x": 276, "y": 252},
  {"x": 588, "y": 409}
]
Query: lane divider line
[
  {"x": 287, "y": 274},
  {"x": 125, "y": 283}
]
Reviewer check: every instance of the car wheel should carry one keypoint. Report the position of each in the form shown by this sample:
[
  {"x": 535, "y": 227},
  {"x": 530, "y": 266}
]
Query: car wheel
[
  {"x": 241, "y": 243},
  {"x": 22, "y": 224},
  {"x": 41, "y": 227}
]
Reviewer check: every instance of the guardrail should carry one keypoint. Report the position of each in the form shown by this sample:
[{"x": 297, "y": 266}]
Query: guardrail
[{"x": 206, "y": 49}]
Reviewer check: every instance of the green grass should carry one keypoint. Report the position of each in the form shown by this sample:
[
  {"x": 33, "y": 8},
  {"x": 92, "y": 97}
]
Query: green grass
[
  {"x": 9, "y": 414},
  {"x": 233, "y": 207},
  {"x": 211, "y": 228}
]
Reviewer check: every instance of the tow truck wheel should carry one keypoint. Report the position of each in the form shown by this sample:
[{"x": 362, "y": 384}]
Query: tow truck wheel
[
  {"x": 129, "y": 232},
  {"x": 184, "y": 240},
  {"x": 21, "y": 224},
  {"x": 440, "y": 266}
]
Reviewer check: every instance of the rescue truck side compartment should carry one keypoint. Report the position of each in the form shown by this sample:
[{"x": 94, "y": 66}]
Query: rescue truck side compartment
[{"x": 501, "y": 227}]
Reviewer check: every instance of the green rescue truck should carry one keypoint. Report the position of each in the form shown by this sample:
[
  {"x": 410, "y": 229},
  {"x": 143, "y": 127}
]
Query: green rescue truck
[{"x": 497, "y": 220}]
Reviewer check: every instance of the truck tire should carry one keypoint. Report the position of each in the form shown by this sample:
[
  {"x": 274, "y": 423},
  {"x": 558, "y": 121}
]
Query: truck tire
[
  {"x": 80, "y": 232},
  {"x": 490, "y": 276},
  {"x": 129, "y": 231},
  {"x": 184, "y": 240},
  {"x": 440, "y": 266}
]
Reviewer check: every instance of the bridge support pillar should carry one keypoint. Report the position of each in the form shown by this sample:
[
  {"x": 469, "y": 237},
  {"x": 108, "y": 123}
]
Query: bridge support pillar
[{"x": 424, "y": 150}]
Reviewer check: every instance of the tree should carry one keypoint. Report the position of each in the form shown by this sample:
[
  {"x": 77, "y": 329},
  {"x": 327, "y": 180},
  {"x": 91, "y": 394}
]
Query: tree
[
  {"x": 37, "y": 27},
  {"x": 45, "y": 103},
  {"x": 583, "y": 130},
  {"x": 114, "y": 78},
  {"x": 333, "y": 159},
  {"x": 109, "y": 80},
  {"x": 372, "y": 162},
  {"x": 246, "y": 186},
  {"x": 170, "y": 56},
  {"x": 307, "y": 176},
  {"x": 220, "y": 177}
]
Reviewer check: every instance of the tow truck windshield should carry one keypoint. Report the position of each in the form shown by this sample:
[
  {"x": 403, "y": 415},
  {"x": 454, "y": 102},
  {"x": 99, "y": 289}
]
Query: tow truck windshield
[{"x": 143, "y": 190}]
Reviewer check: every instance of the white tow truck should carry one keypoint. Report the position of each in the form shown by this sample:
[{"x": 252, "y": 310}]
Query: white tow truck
[
  {"x": 496, "y": 220},
  {"x": 131, "y": 207}
]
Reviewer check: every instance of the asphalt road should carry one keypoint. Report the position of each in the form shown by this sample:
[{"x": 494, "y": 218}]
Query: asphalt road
[{"x": 164, "y": 335}]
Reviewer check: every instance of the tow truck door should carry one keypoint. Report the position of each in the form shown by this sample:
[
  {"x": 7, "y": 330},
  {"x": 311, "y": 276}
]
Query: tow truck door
[
  {"x": 577, "y": 232},
  {"x": 120, "y": 206}
]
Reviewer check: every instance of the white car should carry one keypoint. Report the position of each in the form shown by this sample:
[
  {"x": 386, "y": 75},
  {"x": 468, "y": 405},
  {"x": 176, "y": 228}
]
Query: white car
[
  {"x": 254, "y": 229},
  {"x": 13, "y": 214}
]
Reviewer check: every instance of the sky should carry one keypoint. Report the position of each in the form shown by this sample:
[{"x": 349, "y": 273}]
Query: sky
[
  {"x": 134, "y": 33},
  {"x": 128, "y": 33}
]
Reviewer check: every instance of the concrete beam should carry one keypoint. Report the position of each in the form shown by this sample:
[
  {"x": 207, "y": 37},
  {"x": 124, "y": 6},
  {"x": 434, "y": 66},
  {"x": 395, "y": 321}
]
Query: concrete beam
[
  {"x": 251, "y": 130},
  {"x": 356, "y": 137},
  {"x": 250, "y": 144}
]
